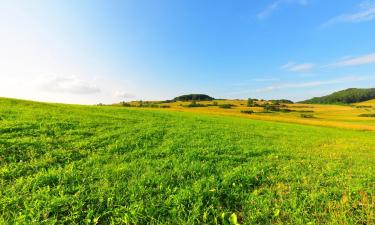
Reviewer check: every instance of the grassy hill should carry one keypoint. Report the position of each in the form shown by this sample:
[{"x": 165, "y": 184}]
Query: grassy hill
[
  {"x": 69, "y": 164},
  {"x": 351, "y": 95}
]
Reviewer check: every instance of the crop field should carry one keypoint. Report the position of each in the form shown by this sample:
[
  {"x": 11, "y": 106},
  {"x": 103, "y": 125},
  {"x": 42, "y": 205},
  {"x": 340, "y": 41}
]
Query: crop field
[{"x": 71, "y": 164}]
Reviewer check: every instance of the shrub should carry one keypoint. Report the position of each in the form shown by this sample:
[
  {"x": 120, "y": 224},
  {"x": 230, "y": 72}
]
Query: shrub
[
  {"x": 307, "y": 115},
  {"x": 306, "y": 111},
  {"x": 247, "y": 111},
  {"x": 286, "y": 110},
  {"x": 165, "y": 106},
  {"x": 146, "y": 104},
  {"x": 195, "y": 104},
  {"x": 225, "y": 106},
  {"x": 363, "y": 106},
  {"x": 273, "y": 108},
  {"x": 167, "y": 101},
  {"x": 367, "y": 115},
  {"x": 125, "y": 104}
]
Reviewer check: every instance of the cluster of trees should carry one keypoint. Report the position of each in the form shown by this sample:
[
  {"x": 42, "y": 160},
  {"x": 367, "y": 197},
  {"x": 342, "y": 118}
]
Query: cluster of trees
[
  {"x": 144, "y": 104},
  {"x": 351, "y": 95},
  {"x": 195, "y": 104},
  {"x": 253, "y": 102},
  {"x": 282, "y": 101},
  {"x": 272, "y": 105},
  {"x": 194, "y": 97}
]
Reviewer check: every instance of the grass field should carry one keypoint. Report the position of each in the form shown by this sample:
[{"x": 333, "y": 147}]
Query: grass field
[
  {"x": 368, "y": 103},
  {"x": 339, "y": 116},
  {"x": 70, "y": 164}
]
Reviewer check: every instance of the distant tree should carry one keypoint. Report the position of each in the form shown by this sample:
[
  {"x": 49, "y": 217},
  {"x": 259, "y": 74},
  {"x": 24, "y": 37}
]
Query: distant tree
[
  {"x": 250, "y": 102},
  {"x": 125, "y": 104},
  {"x": 273, "y": 108},
  {"x": 191, "y": 97}
]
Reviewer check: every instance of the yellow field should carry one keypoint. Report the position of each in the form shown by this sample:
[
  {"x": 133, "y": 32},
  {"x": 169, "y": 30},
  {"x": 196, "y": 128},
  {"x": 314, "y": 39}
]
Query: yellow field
[
  {"x": 324, "y": 115},
  {"x": 367, "y": 103}
]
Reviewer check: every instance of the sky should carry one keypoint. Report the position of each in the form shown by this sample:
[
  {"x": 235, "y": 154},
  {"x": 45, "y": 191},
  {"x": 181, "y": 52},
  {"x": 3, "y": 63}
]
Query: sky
[{"x": 89, "y": 52}]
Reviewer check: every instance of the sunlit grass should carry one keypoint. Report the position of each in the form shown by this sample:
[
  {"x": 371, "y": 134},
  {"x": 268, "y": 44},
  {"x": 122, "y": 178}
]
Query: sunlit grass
[
  {"x": 342, "y": 116},
  {"x": 65, "y": 164}
]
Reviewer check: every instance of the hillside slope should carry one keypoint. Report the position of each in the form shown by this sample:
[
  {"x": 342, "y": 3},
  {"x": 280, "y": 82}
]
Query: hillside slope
[
  {"x": 351, "y": 95},
  {"x": 68, "y": 164}
]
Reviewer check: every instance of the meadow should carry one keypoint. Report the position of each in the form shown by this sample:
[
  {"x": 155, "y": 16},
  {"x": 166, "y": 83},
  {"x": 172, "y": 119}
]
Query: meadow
[
  {"x": 72, "y": 164},
  {"x": 338, "y": 116}
]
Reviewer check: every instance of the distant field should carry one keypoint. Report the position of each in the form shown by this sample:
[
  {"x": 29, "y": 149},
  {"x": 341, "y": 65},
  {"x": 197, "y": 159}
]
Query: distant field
[
  {"x": 341, "y": 116},
  {"x": 67, "y": 164},
  {"x": 369, "y": 103}
]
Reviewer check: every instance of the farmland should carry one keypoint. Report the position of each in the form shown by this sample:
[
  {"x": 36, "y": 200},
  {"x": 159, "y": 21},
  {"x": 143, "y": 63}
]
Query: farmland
[{"x": 71, "y": 164}]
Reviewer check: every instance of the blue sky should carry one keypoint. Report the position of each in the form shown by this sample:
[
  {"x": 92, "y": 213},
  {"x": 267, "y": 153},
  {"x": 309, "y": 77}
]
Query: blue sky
[{"x": 106, "y": 51}]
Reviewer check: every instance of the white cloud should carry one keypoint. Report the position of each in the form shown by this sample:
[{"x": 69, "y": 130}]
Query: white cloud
[
  {"x": 123, "y": 95},
  {"x": 354, "y": 61},
  {"x": 313, "y": 83},
  {"x": 365, "y": 13},
  {"x": 276, "y": 5},
  {"x": 68, "y": 84},
  {"x": 294, "y": 67}
]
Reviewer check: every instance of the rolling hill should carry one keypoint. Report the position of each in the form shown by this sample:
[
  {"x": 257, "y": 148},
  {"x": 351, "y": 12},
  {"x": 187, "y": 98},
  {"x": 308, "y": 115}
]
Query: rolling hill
[{"x": 347, "y": 96}]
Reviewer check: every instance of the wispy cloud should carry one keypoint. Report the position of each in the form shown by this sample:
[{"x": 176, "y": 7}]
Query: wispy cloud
[
  {"x": 354, "y": 61},
  {"x": 68, "y": 84},
  {"x": 294, "y": 67},
  {"x": 365, "y": 13},
  {"x": 123, "y": 95},
  {"x": 312, "y": 83},
  {"x": 276, "y": 5}
]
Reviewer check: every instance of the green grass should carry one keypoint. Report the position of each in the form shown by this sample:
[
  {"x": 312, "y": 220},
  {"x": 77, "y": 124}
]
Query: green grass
[{"x": 66, "y": 164}]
